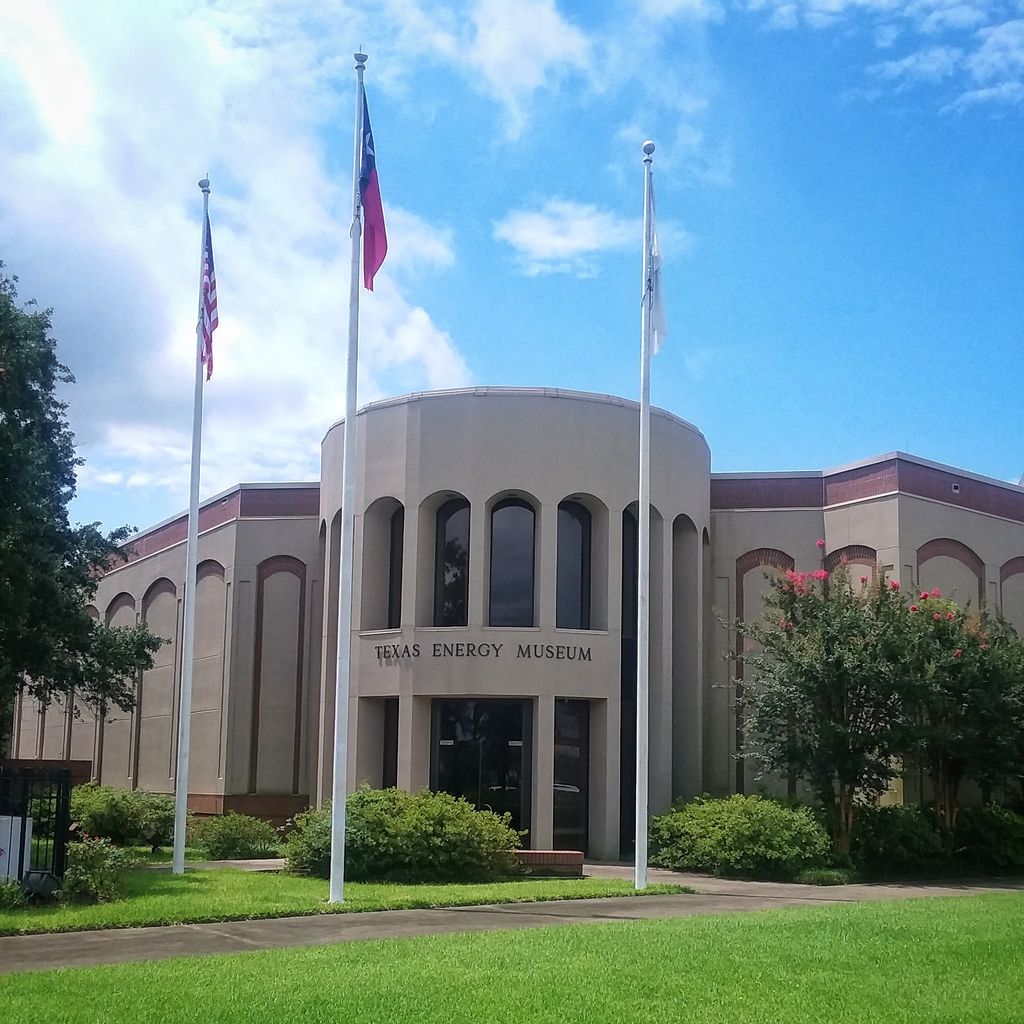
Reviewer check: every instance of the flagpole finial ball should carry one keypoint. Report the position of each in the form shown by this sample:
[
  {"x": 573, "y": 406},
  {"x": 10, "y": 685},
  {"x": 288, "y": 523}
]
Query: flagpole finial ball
[
  {"x": 204, "y": 185},
  {"x": 648, "y": 147}
]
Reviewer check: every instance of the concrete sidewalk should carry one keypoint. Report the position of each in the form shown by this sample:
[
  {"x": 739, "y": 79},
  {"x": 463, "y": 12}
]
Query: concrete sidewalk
[{"x": 715, "y": 896}]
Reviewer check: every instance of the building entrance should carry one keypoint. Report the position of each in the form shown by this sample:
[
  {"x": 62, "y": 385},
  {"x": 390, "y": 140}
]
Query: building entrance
[{"x": 482, "y": 750}]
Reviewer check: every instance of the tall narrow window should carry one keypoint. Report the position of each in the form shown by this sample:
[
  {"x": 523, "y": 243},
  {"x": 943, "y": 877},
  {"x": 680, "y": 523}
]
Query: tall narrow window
[
  {"x": 573, "y": 594},
  {"x": 512, "y": 529},
  {"x": 451, "y": 564},
  {"x": 395, "y": 568}
]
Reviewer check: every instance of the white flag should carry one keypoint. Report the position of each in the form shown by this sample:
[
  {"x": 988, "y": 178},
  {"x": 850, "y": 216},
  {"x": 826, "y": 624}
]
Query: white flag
[{"x": 659, "y": 325}]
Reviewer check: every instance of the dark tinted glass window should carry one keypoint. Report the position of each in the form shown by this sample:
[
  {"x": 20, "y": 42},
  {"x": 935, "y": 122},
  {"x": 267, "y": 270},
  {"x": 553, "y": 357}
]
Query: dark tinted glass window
[
  {"x": 630, "y": 582},
  {"x": 395, "y": 569},
  {"x": 572, "y": 774},
  {"x": 451, "y": 564},
  {"x": 573, "y": 596},
  {"x": 512, "y": 564}
]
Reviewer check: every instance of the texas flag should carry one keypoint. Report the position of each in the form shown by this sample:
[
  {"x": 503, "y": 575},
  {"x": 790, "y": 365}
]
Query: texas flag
[{"x": 375, "y": 239}]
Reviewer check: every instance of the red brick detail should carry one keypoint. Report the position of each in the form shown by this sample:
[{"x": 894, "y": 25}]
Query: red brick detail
[
  {"x": 977, "y": 495},
  {"x": 860, "y": 554},
  {"x": 862, "y": 482},
  {"x": 567, "y": 863},
  {"x": 222, "y": 511},
  {"x": 1011, "y": 568},
  {"x": 949, "y": 548},
  {"x": 273, "y": 806},
  {"x": 267, "y": 568},
  {"x": 769, "y": 558},
  {"x": 767, "y": 492},
  {"x": 81, "y": 771},
  {"x": 263, "y": 503}
]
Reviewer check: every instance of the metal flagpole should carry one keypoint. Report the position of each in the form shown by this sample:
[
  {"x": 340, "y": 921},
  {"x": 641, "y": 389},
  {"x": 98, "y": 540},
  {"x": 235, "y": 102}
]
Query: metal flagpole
[
  {"x": 191, "y": 555},
  {"x": 348, "y": 494},
  {"x": 643, "y": 628}
]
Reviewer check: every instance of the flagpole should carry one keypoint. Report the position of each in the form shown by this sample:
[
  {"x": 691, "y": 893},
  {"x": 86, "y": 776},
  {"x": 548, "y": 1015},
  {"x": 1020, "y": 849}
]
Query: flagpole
[
  {"x": 348, "y": 495},
  {"x": 191, "y": 555},
  {"x": 643, "y": 627}
]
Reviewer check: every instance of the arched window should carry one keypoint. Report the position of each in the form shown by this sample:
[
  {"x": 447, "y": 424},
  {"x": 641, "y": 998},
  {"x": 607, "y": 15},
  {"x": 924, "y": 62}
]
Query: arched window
[
  {"x": 451, "y": 564},
  {"x": 573, "y": 591},
  {"x": 512, "y": 529},
  {"x": 395, "y": 549}
]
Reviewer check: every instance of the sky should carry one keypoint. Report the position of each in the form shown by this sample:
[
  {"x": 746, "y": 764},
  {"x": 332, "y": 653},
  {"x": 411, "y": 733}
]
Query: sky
[{"x": 839, "y": 204}]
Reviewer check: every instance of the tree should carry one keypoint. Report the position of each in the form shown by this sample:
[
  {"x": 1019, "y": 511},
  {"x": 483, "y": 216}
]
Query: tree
[
  {"x": 49, "y": 569},
  {"x": 968, "y": 691},
  {"x": 826, "y": 701}
]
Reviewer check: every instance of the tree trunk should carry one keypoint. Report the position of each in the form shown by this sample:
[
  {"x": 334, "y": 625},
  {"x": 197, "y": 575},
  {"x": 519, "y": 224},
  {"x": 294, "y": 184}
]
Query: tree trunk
[{"x": 844, "y": 820}]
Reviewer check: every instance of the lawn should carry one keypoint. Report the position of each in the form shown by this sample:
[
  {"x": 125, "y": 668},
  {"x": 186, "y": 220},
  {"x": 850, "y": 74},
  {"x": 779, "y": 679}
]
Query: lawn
[
  {"x": 958, "y": 961},
  {"x": 224, "y": 894}
]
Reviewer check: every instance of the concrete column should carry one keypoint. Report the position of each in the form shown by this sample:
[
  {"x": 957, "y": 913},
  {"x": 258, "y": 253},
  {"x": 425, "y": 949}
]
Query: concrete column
[
  {"x": 413, "y": 742},
  {"x": 545, "y": 564},
  {"x": 541, "y": 824},
  {"x": 991, "y": 588},
  {"x": 479, "y": 575},
  {"x": 604, "y": 779},
  {"x": 236, "y": 771},
  {"x": 661, "y": 738}
]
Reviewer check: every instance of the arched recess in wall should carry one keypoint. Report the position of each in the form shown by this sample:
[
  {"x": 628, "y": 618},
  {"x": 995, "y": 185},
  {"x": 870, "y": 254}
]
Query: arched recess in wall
[
  {"x": 153, "y": 742},
  {"x": 443, "y": 568},
  {"x": 383, "y": 525},
  {"x": 208, "y": 680},
  {"x": 687, "y": 717},
  {"x": 1011, "y": 592},
  {"x": 277, "y": 692},
  {"x": 946, "y": 547},
  {"x": 581, "y": 582},
  {"x": 761, "y": 559},
  {"x": 855, "y": 555},
  {"x": 115, "y": 731},
  {"x": 511, "y": 570}
]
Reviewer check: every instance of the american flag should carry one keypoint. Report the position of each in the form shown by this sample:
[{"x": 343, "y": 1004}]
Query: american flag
[{"x": 207, "y": 304}]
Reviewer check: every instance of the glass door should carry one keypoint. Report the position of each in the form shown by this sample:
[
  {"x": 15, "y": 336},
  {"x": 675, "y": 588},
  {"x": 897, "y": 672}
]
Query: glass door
[{"x": 482, "y": 752}]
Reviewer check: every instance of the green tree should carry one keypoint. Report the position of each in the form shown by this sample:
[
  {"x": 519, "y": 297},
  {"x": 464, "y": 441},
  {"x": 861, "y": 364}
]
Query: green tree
[
  {"x": 49, "y": 569},
  {"x": 968, "y": 693},
  {"x": 826, "y": 694}
]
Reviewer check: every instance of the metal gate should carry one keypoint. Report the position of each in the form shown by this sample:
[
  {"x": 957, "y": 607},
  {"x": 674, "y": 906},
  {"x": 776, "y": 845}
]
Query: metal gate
[{"x": 35, "y": 818}]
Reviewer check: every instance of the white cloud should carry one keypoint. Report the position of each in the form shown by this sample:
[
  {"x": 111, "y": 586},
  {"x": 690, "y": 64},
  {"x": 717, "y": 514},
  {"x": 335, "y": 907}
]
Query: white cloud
[
  {"x": 119, "y": 110},
  {"x": 695, "y": 10},
  {"x": 925, "y": 66},
  {"x": 564, "y": 236}
]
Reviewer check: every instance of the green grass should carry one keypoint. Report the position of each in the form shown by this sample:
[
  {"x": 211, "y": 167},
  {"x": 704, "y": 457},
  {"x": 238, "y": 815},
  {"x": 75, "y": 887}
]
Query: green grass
[
  {"x": 955, "y": 961},
  {"x": 225, "y": 894},
  {"x": 146, "y": 855}
]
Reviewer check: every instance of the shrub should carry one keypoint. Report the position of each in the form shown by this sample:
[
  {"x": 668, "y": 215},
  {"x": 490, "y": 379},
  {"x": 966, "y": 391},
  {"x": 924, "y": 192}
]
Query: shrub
[
  {"x": 824, "y": 876},
  {"x": 989, "y": 839},
  {"x": 738, "y": 835},
  {"x": 395, "y": 836},
  {"x": 12, "y": 896},
  {"x": 235, "y": 835},
  {"x": 95, "y": 871},
  {"x": 898, "y": 842},
  {"x": 124, "y": 817}
]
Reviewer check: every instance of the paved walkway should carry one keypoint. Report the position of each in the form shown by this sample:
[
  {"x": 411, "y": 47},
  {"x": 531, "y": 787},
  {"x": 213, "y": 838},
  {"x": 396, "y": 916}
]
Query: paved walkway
[{"x": 715, "y": 896}]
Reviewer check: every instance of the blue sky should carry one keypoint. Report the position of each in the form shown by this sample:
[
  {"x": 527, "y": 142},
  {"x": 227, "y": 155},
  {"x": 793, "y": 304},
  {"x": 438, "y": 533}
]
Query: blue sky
[{"x": 839, "y": 199}]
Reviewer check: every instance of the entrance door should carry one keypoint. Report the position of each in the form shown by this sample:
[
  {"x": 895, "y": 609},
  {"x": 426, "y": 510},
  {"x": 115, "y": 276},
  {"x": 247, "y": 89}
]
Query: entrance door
[{"x": 482, "y": 752}]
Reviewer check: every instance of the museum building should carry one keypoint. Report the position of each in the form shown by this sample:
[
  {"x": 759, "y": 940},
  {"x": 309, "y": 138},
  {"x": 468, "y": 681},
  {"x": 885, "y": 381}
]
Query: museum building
[{"x": 494, "y": 611}]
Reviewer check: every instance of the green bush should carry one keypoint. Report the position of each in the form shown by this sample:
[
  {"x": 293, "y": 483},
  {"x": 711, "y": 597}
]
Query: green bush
[
  {"x": 898, "y": 842},
  {"x": 989, "y": 840},
  {"x": 824, "y": 876},
  {"x": 95, "y": 871},
  {"x": 738, "y": 835},
  {"x": 236, "y": 836},
  {"x": 125, "y": 817},
  {"x": 12, "y": 896},
  {"x": 395, "y": 836}
]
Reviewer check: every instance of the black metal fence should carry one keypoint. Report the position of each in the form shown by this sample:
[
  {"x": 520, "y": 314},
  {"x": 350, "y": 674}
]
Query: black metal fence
[{"x": 35, "y": 819}]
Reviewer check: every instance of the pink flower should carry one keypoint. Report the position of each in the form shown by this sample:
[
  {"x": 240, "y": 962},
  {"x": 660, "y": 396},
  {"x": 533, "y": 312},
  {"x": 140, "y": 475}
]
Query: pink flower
[
  {"x": 937, "y": 616},
  {"x": 894, "y": 584},
  {"x": 863, "y": 579},
  {"x": 785, "y": 624},
  {"x": 949, "y": 616},
  {"x": 983, "y": 647},
  {"x": 913, "y": 607},
  {"x": 936, "y": 592},
  {"x": 820, "y": 575},
  {"x": 924, "y": 595},
  {"x": 820, "y": 542},
  {"x": 957, "y": 653}
]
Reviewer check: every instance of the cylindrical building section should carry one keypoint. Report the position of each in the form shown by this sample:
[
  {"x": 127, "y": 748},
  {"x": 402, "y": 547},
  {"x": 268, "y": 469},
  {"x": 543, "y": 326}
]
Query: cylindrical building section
[{"x": 494, "y": 609}]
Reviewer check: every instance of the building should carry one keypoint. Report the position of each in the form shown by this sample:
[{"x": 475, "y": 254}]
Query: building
[{"x": 494, "y": 638}]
